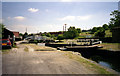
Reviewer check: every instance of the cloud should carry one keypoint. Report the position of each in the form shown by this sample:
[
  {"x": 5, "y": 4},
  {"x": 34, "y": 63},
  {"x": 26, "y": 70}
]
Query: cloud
[
  {"x": 22, "y": 28},
  {"x": 35, "y": 29},
  {"x": 84, "y": 17},
  {"x": 33, "y": 10},
  {"x": 19, "y": 18},
  {"x": 73, "y": 18},
  {"x": 69, "y": 18}
]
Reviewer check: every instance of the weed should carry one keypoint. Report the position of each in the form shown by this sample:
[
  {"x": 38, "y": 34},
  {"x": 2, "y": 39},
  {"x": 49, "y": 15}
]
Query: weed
[{"x": 26, "y": 49}]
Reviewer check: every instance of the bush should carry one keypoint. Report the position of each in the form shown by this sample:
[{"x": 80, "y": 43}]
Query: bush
[
  {"x": 40, "y": 41},
  {"x": 71, "y": 33},
  {"x": 100, "y": 33},
  {"x": 33, "y": 41},
  {"x": 60, "y": 37}
]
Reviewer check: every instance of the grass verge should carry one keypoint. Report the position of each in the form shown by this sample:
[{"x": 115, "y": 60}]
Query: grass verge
[
  {"x": 111, "y": 46},
  {"x": 5, "y": 51},
  {"x": 90, "y": 65}
]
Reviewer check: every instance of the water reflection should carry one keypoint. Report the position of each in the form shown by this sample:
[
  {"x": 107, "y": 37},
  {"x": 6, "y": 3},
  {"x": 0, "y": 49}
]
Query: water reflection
[
  {"x": 105, "y": 64},
  {"x": 109, "y": 62}
]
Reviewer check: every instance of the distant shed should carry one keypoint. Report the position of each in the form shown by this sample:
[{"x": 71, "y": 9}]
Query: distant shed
[
  {"x": 116, "y": 34},
  {"x": 16, "y": 34},
  {"x": 7, "y": 34}
]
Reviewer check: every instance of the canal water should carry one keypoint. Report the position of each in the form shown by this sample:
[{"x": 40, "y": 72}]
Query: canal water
[{"x": 112, "y": 63}]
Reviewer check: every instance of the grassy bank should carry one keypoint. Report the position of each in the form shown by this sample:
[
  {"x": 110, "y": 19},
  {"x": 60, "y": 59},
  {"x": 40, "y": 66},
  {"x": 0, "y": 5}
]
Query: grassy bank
[
  {"x": 111, "y": 46},
  {"x": 88, "y": 64}
]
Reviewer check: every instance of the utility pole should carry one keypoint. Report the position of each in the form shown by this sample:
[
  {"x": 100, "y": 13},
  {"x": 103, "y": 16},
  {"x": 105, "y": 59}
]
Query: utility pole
[
  {"x": 65, "y": 27},
  {"x": 26, "y": 29}
]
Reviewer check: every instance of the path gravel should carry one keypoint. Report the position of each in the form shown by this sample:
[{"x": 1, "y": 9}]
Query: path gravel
[{"x": 18, "y": 61}]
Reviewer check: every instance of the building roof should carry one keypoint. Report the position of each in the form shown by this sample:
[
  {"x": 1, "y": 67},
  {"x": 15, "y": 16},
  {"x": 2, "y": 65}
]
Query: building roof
[{"x": 7, "y": 32}]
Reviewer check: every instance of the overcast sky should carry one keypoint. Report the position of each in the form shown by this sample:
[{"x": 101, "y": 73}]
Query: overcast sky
[{"x": 51, "y": 16}]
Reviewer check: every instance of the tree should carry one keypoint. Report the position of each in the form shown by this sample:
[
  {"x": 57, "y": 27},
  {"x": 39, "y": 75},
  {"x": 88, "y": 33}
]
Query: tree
[
  {"x": 79, "y": 30},
  {"x": 100, "y": 33},
  {"x": 94, "y": 29},
  {"x": 105, "y": 26},
  {"x": 21, "y": 34},
  {"x": 60, "y": 37},
  {"x": 100, "y": 28},
  {"x": 48, "y": 35},
  {"x": 115, "y": 20},
  {"x": 71, "y": 28},
  {"x": 30, "y": 34},
  {"x": 52, "y": 35},
  {"x": 43, "y": 34},
  {"x": 2, "y": 26},
  {"x": 25, "y": 35},
  {"x": 71, "y": 33}
]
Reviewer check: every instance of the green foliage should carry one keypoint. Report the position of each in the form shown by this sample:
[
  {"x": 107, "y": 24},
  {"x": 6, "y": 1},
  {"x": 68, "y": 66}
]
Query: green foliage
[
  {"x": 106, "y": 27},
  {"x": 60, "y": 37},
  {"x": 71, "y": 33},
  {"x": 79, "y": 30},
  {"x": 100, "y": 28},
  {"x": 43, "y": 34},
  {"x": 14, "y": 45},
  {"x": 115, "y": 20},
  {"x": 25, "y": 35},
  {"x": 21, "y": 34},
  {"x": 33, "y": 41},
  {"x": 100, "y": 33},
  {"x": 2, "y": 26},
  {"x": 108, "y": 33},
  {"x": 53, "y": 36},
  {"x": 30, "y": 34},
  {"x": 94, "y": 30},
  {"x": 48, "y": 35}
]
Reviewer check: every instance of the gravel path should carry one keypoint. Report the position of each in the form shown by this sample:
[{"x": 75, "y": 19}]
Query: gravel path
[{"x": 18, "y": 61}]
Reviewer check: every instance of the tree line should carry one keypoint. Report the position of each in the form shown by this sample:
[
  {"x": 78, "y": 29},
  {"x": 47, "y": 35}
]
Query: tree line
[{"x": 114, "y": 22}]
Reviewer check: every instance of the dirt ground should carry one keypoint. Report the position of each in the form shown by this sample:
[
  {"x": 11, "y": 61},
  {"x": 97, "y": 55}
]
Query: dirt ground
[{"x": 25, "y": 60}]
